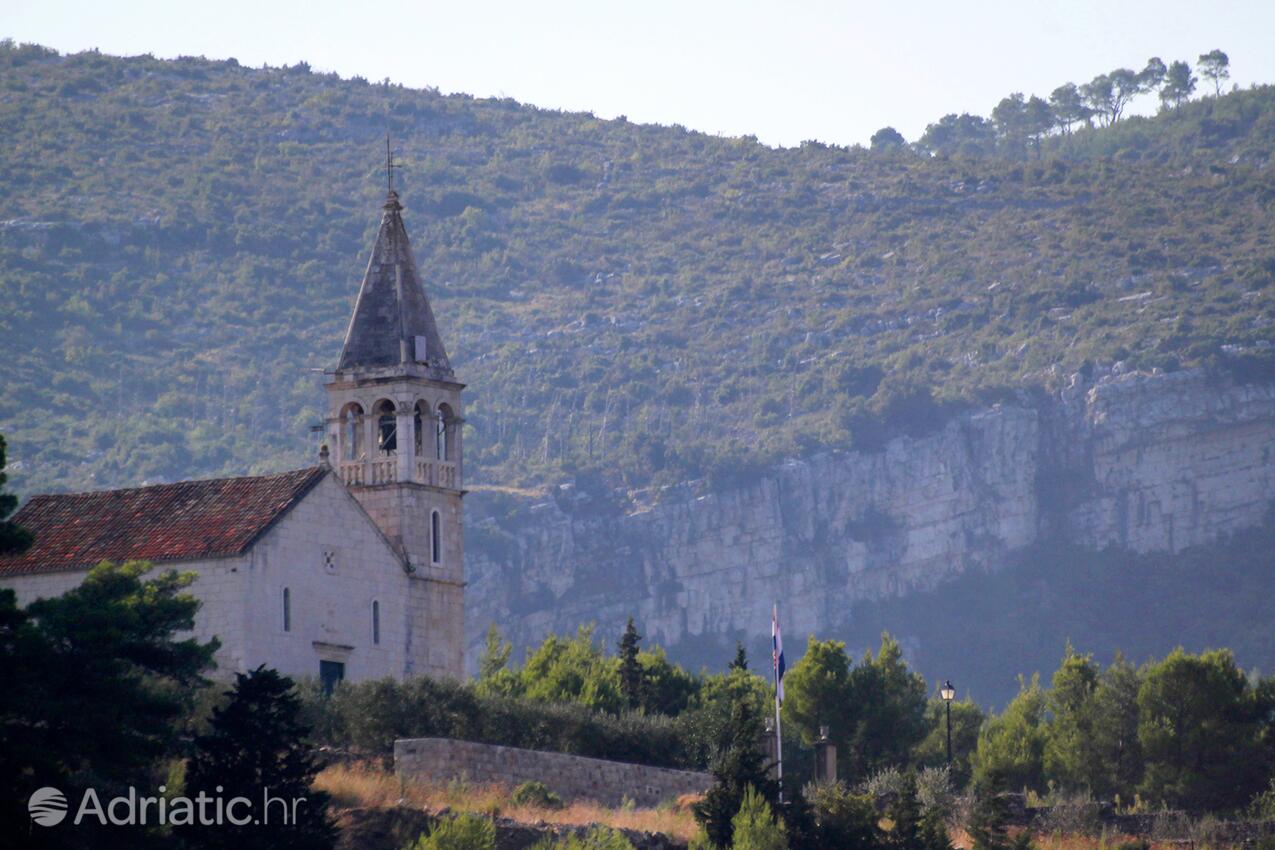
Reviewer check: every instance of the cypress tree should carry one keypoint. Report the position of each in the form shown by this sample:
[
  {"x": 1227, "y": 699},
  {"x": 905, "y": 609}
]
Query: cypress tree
[
  {"x": 631, "y": 680},
  {"x": 256, "y": 746}
]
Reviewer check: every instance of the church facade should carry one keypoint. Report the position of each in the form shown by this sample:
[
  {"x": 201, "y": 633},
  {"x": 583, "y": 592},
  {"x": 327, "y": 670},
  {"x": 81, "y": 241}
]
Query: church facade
[{"x": 351, "y": 569}]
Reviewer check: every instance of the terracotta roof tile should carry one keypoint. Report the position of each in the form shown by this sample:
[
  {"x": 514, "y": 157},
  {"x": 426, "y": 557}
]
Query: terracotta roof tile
[{"x": 164, "y": 522}]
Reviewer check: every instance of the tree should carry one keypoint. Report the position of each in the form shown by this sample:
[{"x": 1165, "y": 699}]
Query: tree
[
  {"x": 817, "y": 693},
  {"x": 1010, "y": 118},
  {"x": 888, "y": 139},
  {"x": 970, "y": 135},
  {"x": 666, "y": 688},
  {"x": 737, "y": 766},
  {"x": 14, "y": 540},
  {"x": 96, "y": 687},
  {"x": 1011, "y": 746},
  {"x": 1038, "y": 120},
  {"x": 1197, "y": 729},
  {"x": 740, "y": 661},
  {"x": 1215, "y": 66},
  {"x": 967, "y": 720},
  {"x": 754, "y": 827},
  {"x": 1179, "y": 83},
  {"x": 844, "y": 819},
  {"x": 256, "y": 744},
  {"x": 1115, "y": 729},
  {"x": 989, "y": 821},
  {"x": 888, "y": 701},
  {"x": 1068, "y": 107},
  {"x": 1070, "y": 755},
  {"x": 494, "y": 675},
  {"x": 1153, "y": 75},
  {"x": 575, "y": 670},
  {"x": 631, "y": 680},
  {"x": 904, "y": 811},
  {"x": 1108, "y": 94},
  {"x": 934, "y": 832}
]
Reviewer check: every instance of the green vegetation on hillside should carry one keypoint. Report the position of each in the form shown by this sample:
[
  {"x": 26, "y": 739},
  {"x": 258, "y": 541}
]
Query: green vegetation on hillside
[{"x": 181, "y": 243}]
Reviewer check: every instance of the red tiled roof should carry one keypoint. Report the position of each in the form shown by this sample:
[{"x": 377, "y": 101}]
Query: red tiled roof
[{"x": 165, "y": 522}]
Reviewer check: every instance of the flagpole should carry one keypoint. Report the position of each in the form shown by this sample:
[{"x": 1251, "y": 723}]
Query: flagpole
[{"x": 779, "y": 732}]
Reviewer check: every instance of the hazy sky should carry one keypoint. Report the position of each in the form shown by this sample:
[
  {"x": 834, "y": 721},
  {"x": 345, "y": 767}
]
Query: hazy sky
[{"x": 781, "y": 71}]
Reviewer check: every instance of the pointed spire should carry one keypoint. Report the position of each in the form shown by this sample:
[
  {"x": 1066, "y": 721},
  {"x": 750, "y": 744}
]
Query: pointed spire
[{"x": 392, "y": 322}]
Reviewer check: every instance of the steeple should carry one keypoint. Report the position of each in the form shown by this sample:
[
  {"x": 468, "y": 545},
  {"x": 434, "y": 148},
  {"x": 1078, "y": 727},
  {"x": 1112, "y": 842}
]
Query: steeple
[{"x": 392, "y": 323}]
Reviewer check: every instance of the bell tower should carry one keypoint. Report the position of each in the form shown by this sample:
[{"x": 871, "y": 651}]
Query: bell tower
[{"x": 394, "y": 428}]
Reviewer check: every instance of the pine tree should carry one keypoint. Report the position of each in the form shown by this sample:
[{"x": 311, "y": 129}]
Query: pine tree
[
  {"x": 631, "y": 681},
  {"x": 256, "y": 746},
  {"x": 741, "y": 658},
  {"x": 990, "y": 819},
  {"x": 14, "y": 540},
  {"x": 933, "y": 835},
  {"x": 737, "y": 766},
  {"x": 754, "y": 827}
]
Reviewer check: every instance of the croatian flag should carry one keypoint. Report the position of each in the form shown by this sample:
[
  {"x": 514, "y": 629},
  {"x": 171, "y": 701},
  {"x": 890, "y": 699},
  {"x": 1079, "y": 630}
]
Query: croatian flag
[{"x": 777, "y": 654}]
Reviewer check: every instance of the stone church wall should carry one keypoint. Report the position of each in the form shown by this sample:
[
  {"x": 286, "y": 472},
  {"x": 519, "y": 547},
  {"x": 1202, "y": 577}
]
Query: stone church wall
[
  {"x": 441, "y": 760},
  {"x": 335, "y": 564}
]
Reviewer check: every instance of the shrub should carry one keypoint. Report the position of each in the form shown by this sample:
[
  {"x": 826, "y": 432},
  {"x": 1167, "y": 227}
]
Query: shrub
[
  {"x": 537, "y": 795},
  {"x": 461, "y": 832},
  {"x": 1134, "y": 844},
  {"x": 755, "y": 827},
  {"x": 597, "y": 838}
]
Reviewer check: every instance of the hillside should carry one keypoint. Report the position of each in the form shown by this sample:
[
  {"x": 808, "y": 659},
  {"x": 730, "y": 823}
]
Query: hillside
[{"x": 180, "y": 243}]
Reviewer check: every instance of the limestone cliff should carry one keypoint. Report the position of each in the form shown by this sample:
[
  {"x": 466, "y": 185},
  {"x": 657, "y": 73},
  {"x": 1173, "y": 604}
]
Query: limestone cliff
[{"x": 1148, "y": 462}]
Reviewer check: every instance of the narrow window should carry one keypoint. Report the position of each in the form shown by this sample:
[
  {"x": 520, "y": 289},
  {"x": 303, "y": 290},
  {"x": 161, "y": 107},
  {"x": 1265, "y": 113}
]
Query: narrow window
[
  {"x": 376, "y": 622},
  {"x": 440, "y": 436},
  {"x": 435, "y": 534},
  {"x": 287, "y": 610}
]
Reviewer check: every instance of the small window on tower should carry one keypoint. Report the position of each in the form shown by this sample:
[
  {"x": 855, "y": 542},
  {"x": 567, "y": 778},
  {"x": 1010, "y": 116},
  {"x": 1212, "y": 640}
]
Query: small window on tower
[
  {"x": 376, "y": 622},
  {"x": 287, "y": 609},
  {"x": 329, "y": 562},
  {"x": 422, "y": 350}
]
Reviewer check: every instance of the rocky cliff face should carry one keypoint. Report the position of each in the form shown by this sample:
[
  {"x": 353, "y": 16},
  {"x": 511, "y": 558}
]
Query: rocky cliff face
[{"x": 1144, "y": 462}]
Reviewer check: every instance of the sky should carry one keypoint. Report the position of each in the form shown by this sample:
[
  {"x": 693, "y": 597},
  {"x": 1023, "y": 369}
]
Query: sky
[{"x": 782, "y": 71}]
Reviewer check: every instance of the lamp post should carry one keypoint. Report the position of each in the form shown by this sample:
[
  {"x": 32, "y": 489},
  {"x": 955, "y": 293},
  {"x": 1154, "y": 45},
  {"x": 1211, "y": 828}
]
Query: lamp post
[{"x": 948, "y": 693}]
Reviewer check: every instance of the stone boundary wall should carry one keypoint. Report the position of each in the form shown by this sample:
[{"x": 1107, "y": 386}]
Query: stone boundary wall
[{"x": 570, "y": 777}]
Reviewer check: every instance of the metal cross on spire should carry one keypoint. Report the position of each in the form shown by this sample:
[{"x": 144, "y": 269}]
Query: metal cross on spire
[{"x": 390, "y": 165}]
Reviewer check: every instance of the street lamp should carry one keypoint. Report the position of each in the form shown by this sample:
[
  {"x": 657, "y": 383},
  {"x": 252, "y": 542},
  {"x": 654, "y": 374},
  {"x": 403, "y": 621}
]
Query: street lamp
[{"x": 948, "y": 693}]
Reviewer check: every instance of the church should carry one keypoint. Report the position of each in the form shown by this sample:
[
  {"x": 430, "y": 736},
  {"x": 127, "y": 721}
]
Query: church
[{"x": 352, "y": 569}]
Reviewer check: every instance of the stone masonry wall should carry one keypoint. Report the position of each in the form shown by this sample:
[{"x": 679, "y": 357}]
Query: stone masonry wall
[{"x": 442, "y": 760}]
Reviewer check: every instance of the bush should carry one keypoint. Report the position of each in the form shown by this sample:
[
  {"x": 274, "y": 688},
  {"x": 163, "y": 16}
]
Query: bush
[
  {"x": 369, "y": 716},
  {"x": 536, "y": 795},
  {"x": 843, "y": 818},
  {"x": 755, "y": 827},
  {"x": 597, "y": 838},
  {"x": 1135, "y": 844},
  {"x": 461, "y": 832}
]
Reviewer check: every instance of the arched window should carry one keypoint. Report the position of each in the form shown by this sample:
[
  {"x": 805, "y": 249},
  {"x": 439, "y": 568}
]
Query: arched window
[
  {"x": 386, "y": 427},
  {"x": 420, "y": 416},
  {"x": 287, "y": 609},
  {"x": 376, "y": 622},
  {"x": 440, "y": 433},
  {"x": 435, "y": 538},
  {"x": 352, "y": 432}
]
